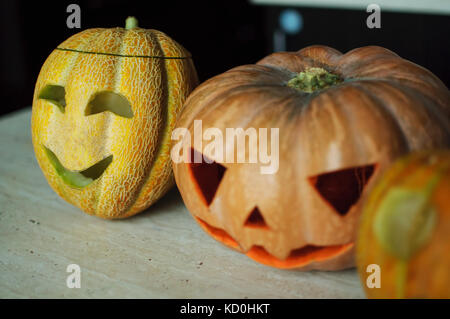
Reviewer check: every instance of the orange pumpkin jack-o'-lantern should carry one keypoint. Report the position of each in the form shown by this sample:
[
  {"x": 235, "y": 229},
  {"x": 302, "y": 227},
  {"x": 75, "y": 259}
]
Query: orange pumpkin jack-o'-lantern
[
  {"x": 342, "y": 118},
  {"x": 105, "y": 103}
]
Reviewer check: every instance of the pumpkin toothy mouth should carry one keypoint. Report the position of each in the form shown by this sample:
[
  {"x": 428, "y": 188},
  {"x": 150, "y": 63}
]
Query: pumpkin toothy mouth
[
  {"x": 78, "y": 179},
  {"x": 299, "y": 257}
]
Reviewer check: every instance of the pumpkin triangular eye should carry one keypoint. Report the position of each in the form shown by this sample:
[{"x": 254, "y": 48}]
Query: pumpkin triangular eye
[
  {"x": 109, "y": 101},
  {"x": 342, "y": 189},
  {"x": 255, "y": 219},
  {"x": 206, "y": 176},
  {"x": 55, "y": 94}
]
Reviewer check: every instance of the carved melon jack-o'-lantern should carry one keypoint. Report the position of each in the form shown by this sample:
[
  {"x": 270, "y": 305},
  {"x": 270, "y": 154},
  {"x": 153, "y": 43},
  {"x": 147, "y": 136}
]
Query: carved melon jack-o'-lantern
[
  {"x": 405, "y": 229},
  {"x": 104, "y": 106},
  {"x": 342, "y": 119}
]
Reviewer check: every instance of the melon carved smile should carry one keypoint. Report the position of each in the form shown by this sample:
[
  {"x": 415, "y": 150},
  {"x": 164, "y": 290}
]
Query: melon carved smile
[{"x": 78, "y": 179}]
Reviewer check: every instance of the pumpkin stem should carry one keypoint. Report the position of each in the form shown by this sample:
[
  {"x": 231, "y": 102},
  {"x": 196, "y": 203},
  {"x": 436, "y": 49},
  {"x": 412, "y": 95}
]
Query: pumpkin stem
[
  {"x": 313, "y": 79},
  {"x": 130, "y": 23}
]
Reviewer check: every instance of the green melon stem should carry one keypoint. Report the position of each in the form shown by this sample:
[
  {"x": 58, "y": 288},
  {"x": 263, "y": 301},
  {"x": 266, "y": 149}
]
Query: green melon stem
[
  {"x": 314, "y": 79},
  {"x": 130, "y": 23}
]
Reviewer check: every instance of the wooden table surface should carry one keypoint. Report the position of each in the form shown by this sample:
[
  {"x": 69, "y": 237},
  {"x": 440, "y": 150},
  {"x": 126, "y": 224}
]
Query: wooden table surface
[{"x": 160, "y": 253}]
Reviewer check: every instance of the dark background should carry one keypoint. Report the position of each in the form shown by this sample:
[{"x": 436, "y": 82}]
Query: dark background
[{"x": 219, "y": 34}]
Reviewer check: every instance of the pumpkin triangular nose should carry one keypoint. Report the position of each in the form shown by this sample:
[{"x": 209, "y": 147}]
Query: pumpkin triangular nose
[
  {"x": 255, "y": 219},
  {"x": 343, "y": 188}
]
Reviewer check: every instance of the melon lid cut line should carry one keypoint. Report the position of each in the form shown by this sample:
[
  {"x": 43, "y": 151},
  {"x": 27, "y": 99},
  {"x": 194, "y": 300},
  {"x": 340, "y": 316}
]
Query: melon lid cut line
[{"x": 125, "y": 55}]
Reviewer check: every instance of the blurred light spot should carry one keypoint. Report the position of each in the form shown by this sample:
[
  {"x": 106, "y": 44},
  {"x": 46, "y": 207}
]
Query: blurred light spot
[{"x": 291, "y": 21}]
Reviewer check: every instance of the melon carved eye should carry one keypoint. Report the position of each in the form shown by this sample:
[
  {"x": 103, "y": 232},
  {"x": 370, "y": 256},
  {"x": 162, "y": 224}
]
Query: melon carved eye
[
  {"x": 109, "y": 101},
  {"x": 55, "y": 94},
  {"x": 343, "y": 188}
]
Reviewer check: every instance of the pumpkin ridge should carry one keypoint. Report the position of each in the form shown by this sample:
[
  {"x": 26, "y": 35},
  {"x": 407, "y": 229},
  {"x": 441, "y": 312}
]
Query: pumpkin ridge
[
  {"x": 329, "y": 101},
  {"x": 378, "y": 102},
  {"x": 431, "y": 111},
  {"x": 189, "y": 117},
  {"x": 219, "y": 100},
  {"x": 363, "y": 56},
  {"x": 433, "y": 107},
  {"x": 385, "y": 64},
  {"x": 281, "y": 100},
  {"x": 329, "y": 52}
]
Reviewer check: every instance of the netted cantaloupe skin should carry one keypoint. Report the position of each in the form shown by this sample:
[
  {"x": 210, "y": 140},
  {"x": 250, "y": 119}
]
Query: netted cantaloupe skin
[{"x": 155, "y": 74}]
